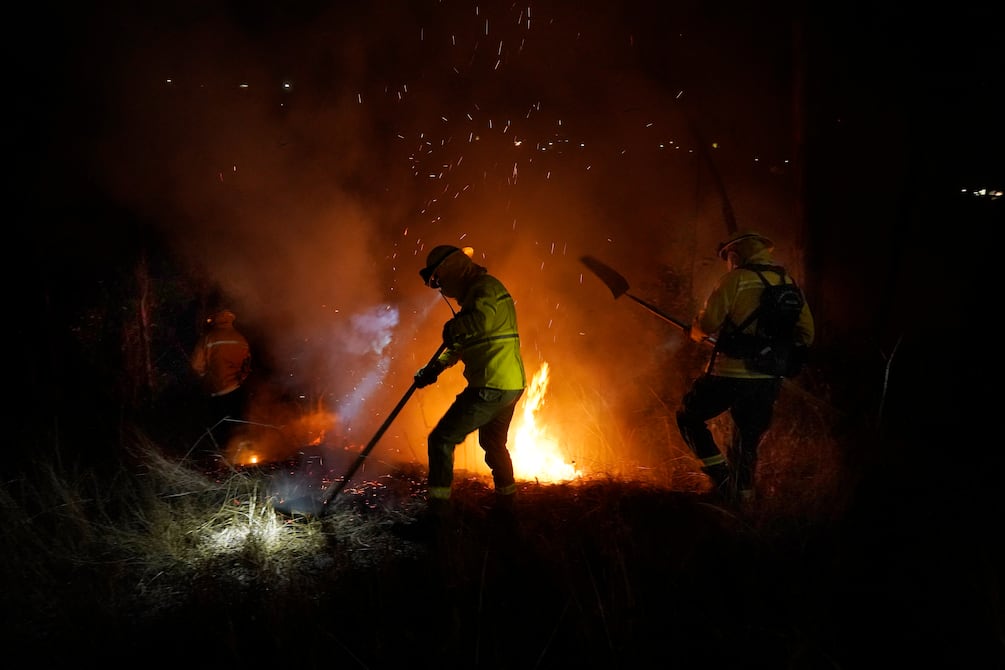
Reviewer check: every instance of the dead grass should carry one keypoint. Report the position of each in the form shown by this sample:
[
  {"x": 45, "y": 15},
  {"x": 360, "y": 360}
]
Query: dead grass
[{"x": 159, "y": 559}]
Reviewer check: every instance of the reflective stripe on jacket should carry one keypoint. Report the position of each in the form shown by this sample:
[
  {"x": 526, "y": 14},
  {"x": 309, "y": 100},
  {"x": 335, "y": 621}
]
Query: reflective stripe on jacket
[
  {"x": 222, "y": 359},
  {"x": 488, "y": 341}
]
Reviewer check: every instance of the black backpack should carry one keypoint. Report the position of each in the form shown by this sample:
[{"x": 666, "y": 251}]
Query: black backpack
[{"x": 772, "y": 348}]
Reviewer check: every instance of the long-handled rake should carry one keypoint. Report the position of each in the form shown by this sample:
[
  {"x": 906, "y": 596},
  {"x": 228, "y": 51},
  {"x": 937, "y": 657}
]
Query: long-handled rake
[{"x": 307, "y": 506}]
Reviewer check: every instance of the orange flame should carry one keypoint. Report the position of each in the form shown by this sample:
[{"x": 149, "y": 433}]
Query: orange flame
[{"x": 536, "y": 455}]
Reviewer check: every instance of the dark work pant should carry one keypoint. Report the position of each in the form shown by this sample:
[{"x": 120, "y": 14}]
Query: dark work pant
[
  {"x": 489, "y": 411},
  {"x": 225, "y": 414},
  {"x": 750, "y": 403}
]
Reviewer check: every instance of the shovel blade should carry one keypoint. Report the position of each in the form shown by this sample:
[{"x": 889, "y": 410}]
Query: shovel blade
[{"x": 614, "y": 281}]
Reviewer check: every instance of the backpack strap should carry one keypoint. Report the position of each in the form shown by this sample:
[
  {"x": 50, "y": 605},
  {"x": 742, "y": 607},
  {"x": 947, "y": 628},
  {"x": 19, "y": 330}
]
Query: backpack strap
[
  {"x": 763, "y": 267},
  {"x": 757, "y": 270},
  {"x": 750, "y": 318}
]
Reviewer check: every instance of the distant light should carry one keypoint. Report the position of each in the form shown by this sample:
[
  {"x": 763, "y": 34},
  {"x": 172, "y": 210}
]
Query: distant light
[
  {"x": 989, "y": 193},
  {"x": 287, "y": 86}
]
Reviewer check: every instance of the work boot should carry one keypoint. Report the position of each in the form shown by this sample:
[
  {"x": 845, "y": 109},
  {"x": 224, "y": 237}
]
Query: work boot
[
  {"x": 429, "y": 523},
  {"x": 437, "y": 514},
  {"x": 504, "y": 502},
  {"x": 503, "y": 507},
  {"x": 502, "y": 518},
  {"x": 438, "y": 508},
  {"x": 746, "y": 501}
]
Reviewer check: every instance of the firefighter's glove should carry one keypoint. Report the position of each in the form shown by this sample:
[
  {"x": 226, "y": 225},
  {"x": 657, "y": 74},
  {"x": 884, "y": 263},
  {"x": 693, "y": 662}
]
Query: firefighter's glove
[{"x": 427, "y": 375}]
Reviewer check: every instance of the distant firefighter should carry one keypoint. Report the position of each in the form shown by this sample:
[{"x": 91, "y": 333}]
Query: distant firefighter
[
  {"x": 222, "y": 360},
  {"x": 744, "y": 374}
]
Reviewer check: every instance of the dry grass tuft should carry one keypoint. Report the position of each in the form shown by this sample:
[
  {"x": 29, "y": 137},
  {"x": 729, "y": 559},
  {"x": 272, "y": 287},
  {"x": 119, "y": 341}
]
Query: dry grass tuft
[{"x": 167, "y": 560}]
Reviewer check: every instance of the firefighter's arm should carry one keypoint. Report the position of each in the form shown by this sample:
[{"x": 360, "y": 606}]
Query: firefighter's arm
[
  {"x": 471, "y": 322},
  {"x": 695, "y": 332},
  {"x": 429, "y": 373},
  {"x": 711, "y": 316}
]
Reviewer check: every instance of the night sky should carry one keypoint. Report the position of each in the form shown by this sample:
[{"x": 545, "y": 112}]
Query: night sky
[{"x": 306, "y": 156}]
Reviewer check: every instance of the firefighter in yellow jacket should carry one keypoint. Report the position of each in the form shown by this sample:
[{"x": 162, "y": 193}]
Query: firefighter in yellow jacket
[
  {"x": 729, "y": 384},
  {"x": 222, "y": 360},
  {"x": 482, "y": 335}
]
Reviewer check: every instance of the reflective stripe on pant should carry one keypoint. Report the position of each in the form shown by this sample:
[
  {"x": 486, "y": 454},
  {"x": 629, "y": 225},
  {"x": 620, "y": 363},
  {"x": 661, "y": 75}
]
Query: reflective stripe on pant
[
  {"x": 750, "y": 403},
  {"x": 717, "y": 459},
  {"x": 490, "y": 412},
  {"x": 439, "y": 493},
  {"x": 506, "y": 490}
]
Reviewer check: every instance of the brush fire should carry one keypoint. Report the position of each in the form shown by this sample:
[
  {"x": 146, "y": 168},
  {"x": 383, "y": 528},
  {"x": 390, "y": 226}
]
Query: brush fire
[{"x": 537, "y": 454}]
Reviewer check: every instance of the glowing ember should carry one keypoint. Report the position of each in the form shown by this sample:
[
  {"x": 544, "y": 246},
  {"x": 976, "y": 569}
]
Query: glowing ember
[
  {"x": 265, "y": 442},
  {"x": 536, "y": 455}
]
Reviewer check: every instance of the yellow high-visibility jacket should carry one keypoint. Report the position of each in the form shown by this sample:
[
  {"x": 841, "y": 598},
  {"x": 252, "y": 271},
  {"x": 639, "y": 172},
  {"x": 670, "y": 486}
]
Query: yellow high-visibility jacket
[
  {"x": 222, "y": 359},
  {"x": 735, "y": 297},
  {"x": 484, "y": 336}
]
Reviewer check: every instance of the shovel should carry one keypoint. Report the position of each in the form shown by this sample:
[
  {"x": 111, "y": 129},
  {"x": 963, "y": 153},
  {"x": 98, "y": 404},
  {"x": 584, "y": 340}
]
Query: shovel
[
  {"x": 619, "y": 287},
  {"x": 307, "y": 506}
]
